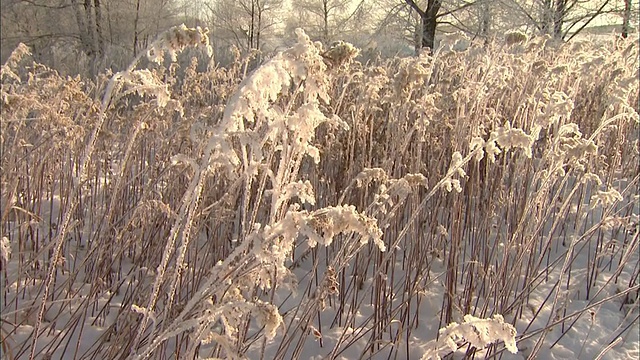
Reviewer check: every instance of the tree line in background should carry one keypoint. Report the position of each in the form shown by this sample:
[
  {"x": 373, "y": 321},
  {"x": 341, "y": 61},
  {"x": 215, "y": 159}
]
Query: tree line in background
[{"x": 90, "y": 35}]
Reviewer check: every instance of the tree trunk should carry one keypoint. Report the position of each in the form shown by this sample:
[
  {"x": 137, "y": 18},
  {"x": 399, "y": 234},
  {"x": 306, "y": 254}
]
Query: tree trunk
[
  {"x": 558, "y": 18},
  {"x": 325, "y": 15},
  {"x": 626, "y": 19},
  {"x": 485, "y": 22},
  {"x": 91, "y": 25},
  {"x": 82, "y": 27},
  {"x": 546, "y": 17},
  {"x": 259, "y": 26},
  {"x": 135, "y": 29},
  {"x": 109, "y": 23},
  {"x": 429, "y": 21},
  {"x": 99, "y": 34},
  {"x": 252, "y": 25}
]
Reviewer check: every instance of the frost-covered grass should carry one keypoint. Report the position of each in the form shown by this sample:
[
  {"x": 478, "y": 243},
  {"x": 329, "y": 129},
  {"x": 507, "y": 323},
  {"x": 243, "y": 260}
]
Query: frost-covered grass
[{"x": 318, "y": 207}]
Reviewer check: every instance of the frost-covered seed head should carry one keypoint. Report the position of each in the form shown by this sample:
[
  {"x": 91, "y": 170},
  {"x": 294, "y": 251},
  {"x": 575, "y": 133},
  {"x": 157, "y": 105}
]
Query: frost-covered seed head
[{"x": 515, "y": 37}]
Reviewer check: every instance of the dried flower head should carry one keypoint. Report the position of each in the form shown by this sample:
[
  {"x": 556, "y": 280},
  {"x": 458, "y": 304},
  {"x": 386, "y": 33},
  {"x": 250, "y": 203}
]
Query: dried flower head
[
  {"x": 515, "y": 37},
  {"x": 477, "y": 332},
  {"x": 17, "y": 54},
  {"x": 269, "y": 317},
  {"x": 605, "y": 198},
  {"x": 176, "y": 39},
  {"x": 340, "y": 53},
  {"x": 5, "y": 249}
]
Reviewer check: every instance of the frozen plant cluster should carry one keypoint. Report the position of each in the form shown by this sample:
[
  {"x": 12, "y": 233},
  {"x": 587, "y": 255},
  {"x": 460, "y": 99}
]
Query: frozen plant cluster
[
  {"x": 479, "y": 333},
  {"x": 314, "y": 204},
  {"x": 262, "y": 125}
]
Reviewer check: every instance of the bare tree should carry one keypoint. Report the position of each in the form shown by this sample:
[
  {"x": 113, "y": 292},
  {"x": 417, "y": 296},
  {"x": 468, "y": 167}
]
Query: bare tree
[
  {"x": 106, "y": 32},
  {"x": 89, "y": 18},
  {"x": 563, "y": 19},
  {"x": 328, "y": 20},
  {"x": 244, "y": 22},
  {"x": 478, "y": 19},
  {"x": 37, "y": 23},
  {"x": 428, "y": 20},
  {"x": 433, "y": 14}
]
